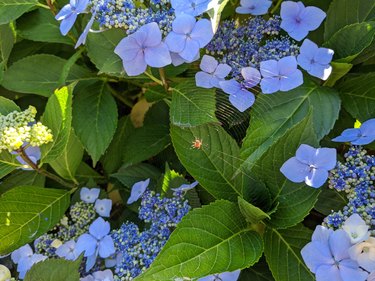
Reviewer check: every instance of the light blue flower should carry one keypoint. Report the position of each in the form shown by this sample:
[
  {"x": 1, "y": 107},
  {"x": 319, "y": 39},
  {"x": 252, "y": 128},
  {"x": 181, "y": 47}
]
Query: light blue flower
[
  {"x": 254, "y": 7},
  {"x": 137, "y": 190},
  {"x": 315, "y": 60},
  {"x": 327, "y": 256},
  {"x": 68, "y": 14},
  {"x": 310, "y": 165},
  {"x": 25, "y": 259},
  {"x": 188, "y": 36},
  {"x": 186, "y": 187},
  {"x": 225, "y": 276},
  {"x": 359, "y": 136},
  {"x": 191, "y": 7},
  {"x": 143, "y": 48},
  {"x": 89, "y": 195},
  {"x": 281, "y": 75},
  {"x": 82, "y": 38},
  {"x": 103, "y": 207},
  {"x": 68, "y": 251},
  {"x": 96, "y": 242},
  {"x": 298, "y": 20},
  {"x": 212, "y": 73},
  {"x": 239, "y": 96}
]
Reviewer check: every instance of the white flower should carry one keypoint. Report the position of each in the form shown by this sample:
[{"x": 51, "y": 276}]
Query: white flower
[
  {"x": 364, "y": 254},
  {"x": 356, "y": 228},
  {"x": 4, "y": 273}
]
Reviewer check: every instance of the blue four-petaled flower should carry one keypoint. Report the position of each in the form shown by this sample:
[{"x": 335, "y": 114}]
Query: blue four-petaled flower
[
  {"x": 68, "y": 14},
  {"x": 310, "y": 165},
  {"x": 142, "y": 48},
  {"x": 298, "y": 20},
  {"x": 212, "y": 73},
  {"x": 359, "y": 136},
  {"x": 191, "y": 7},
  {"x": 254, "y": 7}
]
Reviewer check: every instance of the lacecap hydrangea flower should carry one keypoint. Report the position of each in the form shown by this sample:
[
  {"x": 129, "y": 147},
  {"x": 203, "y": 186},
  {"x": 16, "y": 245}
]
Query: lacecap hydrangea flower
[
  {"x": 310, "y": 165},
  {"x": 68, "y": 14}
]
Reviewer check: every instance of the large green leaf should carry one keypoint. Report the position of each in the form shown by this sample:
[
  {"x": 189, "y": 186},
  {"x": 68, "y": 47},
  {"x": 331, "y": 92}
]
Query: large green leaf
[
  {"x": 295, "y": 200},
  {"x": 54, "y": 270},
  {"x": 94, "y": 117},
  {"x": 129, "y": 175},
  {"x": 68, "y": 162},
  {"x": 41, "y": 25},
  {"x": 330, "y": 198},
  {"x": 282, "y": 249},
  {"x": 12, "y": 9},
  {"x": 358, "y": 95},
  {"x": 345, "y": 12},
  {"x": 24, "y": 77},
  {"x": 26, "y": 212},
  {"x": 58, "y": 117},
  {"x": 21, "y": 177},
  {"x": 216, "y": 164},
  {"x": 273, "y": 115},
  {"x": 258, "y": 272},
  {"x": 100, "y": 49},
  {"x": 192, "y": 106},
  {"x": 208, "y": 240},
  {"x": 6, "y": 44},
  {"x": 361, "y": 35},
  {"x": 153, "y": 137},
  {"x": 7, "y": 106}
]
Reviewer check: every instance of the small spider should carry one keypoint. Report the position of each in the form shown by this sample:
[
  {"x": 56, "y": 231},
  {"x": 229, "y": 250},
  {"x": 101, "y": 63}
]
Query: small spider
[{"x": 197, "y": 143}]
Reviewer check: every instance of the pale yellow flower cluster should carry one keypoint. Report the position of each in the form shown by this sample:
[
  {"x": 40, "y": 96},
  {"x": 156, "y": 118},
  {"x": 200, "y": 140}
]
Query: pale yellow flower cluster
[{"x": 18, "y": 128}]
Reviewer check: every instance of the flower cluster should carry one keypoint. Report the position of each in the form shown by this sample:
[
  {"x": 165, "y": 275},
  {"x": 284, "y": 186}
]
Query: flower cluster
[
  {"x": 18, "y": 128},
  {"x": 137, "y": 249},
  {"x": 256, "y": 46}
]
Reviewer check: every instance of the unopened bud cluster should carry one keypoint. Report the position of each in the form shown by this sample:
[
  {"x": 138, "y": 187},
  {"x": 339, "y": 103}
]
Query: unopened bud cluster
[{"x": 18, "y": 128}]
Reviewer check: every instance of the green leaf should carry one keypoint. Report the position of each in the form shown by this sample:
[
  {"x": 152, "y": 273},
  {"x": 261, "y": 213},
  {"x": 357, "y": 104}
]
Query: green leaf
[
  {"x": 41, "y": 80},
  {"x": 130, "y": 175},
  {"x": 54, "y": 270},
  {"x": 345, "y": 12},
  {"x": 58, "y": 117},
  {"x": 7, "y": 41},
  {"x": 358, "y": 95},
  {"x": 13, "y": 9},
  {"x": 41, "y": 25},
  {"x": 100, "y": 49},
  {"x": 68, "y": 162},
  {"x": 26, "y": 212},
  {"x": 192, "y": 106},
  {"x": 361, "y": 35},
  {"x": 216, "y": 164},
  {"x": 7, "y": 106},
  {"x": 273, "y": 115},
  {"x": 8, "y": 163},
  {"x": 208, "y": 240},
  {"x": 258, "y": 272},
  {"x": 112, "y": 158},
  {"x": 21, "y": 177},
  {"x": 153, "y": 137},
  {"x": 171, "y": 179},
  {"x": 295, "y": 200},
  {"x": 282, "y": 249},
  {"x": 251, "y": 213},
  {"x": 94, "y": 118},
  {"x": 328, "y": 199},
  {"x": 339, "y": 70}
]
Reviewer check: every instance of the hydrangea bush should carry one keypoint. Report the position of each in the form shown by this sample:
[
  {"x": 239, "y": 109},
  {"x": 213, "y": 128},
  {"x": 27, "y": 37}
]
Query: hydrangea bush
[{"x": 175, "y": 140}]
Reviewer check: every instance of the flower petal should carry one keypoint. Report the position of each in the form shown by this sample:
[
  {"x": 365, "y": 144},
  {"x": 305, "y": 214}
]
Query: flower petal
[
  {"x": 99, "y": 228},
  {"x": 103, "y": 207},
  {"x": 86, "y": 243},
  {"x": 242, "y": 100},
  {"x": 106, "y": 247},
  {"x": 294, "y": 170},
  {"x": 316, "y": 254},
  {"x": 270, "y": 85},
  {"x": 136, "y": 66},
  {"x": 339, "y": 243},
  {"x": 328, "y": 273},
  {"x": 191, "y": 50},
  {"x": 222, "y": 70},
  {"x": 348, "y": 135},
  {"x": 183, "y": 24},
  {"x": 312, "y": 17},
  {"x": 269, "y": 68},
  {"x": 203, "y": 79},
  {"x": 316, "y": 177},
  {"x": 67, "y": 23},
  {"x": 153, "y": 33},
  {"x": 230, "y": 86},
  {"x": 158, "y": 56},
  {"x": 202, "y": 32},
  {"x": 137, "y": 190},
  {"x": 176, "y": 42},
  {"x": 325, "y": 158},
  {"x": 208, "y": 64},
  {"x": 291, "y": 81},
  {"x": 350, "y": 271},
  {"x": 251, "y": 75}
]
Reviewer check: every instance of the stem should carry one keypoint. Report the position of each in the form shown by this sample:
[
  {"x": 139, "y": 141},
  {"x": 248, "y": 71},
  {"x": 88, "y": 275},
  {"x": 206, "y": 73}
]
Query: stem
[
  {"x": 41, "y": 171},
  {"x": 153, "y": 78},
  {"x": 163, "y": 79},
  {"x": 120, "y": 97},
  {"x": 43, "y": 6},
  {"x": 276, "y": 7}
]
